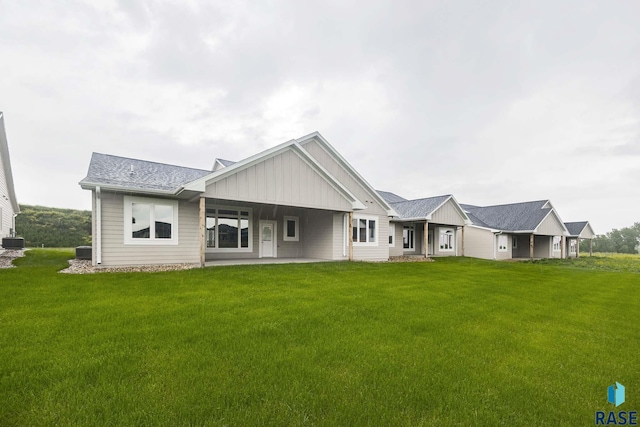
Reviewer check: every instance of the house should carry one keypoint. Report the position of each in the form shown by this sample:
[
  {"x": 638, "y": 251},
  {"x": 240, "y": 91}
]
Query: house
[
  {"x": 8, "y": 203},
  {"x": 442, "y": 217},
  {"x": 516, "y": 230},
  {"x": 298, "y": 200},
  {"x": 579, "y": 231}
]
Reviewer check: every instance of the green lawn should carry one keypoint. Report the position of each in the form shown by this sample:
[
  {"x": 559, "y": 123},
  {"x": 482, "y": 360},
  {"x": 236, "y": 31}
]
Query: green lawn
[{"x": 453, "y": 342}]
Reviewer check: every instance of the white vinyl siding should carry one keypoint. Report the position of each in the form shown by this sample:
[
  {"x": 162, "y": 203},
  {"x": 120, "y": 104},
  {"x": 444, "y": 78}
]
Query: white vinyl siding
[
  {"x": 392, "y": 235},
  {"x": 502, "y": 243},
  {"x": 291, "y": 229},
  {"x": 447, "y": 214}
]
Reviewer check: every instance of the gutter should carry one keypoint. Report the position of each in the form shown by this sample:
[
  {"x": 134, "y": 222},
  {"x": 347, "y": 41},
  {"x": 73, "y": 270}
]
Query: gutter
[{"x": 98, "y": 226}]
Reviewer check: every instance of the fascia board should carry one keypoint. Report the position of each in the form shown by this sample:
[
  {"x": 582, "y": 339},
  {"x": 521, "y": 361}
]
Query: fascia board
[
  {"x": 122, "y": 189},
  {"x": 493, "y": 230},
  {"x": 343, "y": 162}
]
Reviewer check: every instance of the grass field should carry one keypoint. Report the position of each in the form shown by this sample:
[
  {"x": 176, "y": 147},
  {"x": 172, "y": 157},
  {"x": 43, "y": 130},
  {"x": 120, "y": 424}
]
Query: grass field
[{"x": 453, "y": 342}]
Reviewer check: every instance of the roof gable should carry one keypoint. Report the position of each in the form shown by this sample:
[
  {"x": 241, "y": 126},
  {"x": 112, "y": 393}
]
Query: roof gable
[
  {"x": 580, "y": 229},
  {"x": 350, "y": 170},
  {"x": 6, "y": 166},
  {"x": 432, "y": 208}
]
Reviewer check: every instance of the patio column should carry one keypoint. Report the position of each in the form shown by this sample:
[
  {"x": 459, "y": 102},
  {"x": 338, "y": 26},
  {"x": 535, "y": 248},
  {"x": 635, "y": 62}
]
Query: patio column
[
  {"x": 350, "y": 236},
  {"x": 531, "y": 246},
  {"x": 462, "y": 240},
  {"x": 425, "y": 239},
  {"x": 590, "y": 247},
  {"x": 562, "y": 247},
  {"x": 578, "y": 247},
  {"x": 202, "y": 225}
]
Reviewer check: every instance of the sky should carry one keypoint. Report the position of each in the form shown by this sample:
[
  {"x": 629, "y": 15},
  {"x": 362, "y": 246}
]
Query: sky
[{"x": 491, "y": 101}]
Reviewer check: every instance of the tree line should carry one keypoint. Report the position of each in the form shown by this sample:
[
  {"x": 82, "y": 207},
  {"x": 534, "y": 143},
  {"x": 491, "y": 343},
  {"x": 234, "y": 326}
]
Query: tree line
[
  {"x": 53, "y": 227},
  {"x": 623, "y": 241}
]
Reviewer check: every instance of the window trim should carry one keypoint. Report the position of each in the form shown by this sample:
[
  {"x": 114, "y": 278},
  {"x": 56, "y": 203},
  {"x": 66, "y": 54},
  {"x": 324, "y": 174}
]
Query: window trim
[
  {"x": 504, "y": 247},
  {"x": 392, "y": 235},
  {"x": 368, "y": 218},
  {"x": 251, "y": 225},
  {"x": 558, "y": 242},
  {"x": 412, "y": 234},
  {"x": 128, "y": 202},
  {"x": 443, "y": 231},
  {"x": 286, "y": 238}
]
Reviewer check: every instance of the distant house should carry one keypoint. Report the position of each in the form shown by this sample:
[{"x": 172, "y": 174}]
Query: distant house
[
  {"x": 579, "y": 231},
  {"x": 8, "y": 203},
  {"x": 300, "y": 199},
  {"x": 516, "y": 230},
  {"x": 442, "y": 218}
]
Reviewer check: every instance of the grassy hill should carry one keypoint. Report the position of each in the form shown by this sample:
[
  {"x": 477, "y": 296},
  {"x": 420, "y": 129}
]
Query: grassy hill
[{"x": 53, "y": 227}]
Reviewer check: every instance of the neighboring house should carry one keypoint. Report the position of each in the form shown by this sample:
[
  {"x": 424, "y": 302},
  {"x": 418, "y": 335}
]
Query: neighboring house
[
  {"x": 517, "y": 230},
  {"x": 442, "y": 217},
  {"x": 300, "y": 199},
  {"x": 8, "y": 203},
  {"x": 579, "y": 231}
]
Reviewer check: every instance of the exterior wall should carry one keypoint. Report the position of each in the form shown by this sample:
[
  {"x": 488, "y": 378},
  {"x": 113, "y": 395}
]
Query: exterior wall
[
  {"x": 340, "y": 237},
  {"x": 93, "y": 228},
  {"x": 379, "y": 251},
  {"x": 284, "y": 179},
  {"x": 448, "y": 214},
  {"x": 551, "y": 226},
  {"x": 6, "y": 209},
  {"x": 542, "y": 247},
  {"x": 478, "y": 243},
  {"x": 587, "y": 232},
  {"x": 522, "y": 251},
  {"x": 509, "y": 252},
  {"x": 396, "y": 250},
  {"x": 116, "y": 253}
]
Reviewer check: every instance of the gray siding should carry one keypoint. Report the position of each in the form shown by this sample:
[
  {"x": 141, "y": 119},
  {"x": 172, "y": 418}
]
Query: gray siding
[
  {"x": 587, "y": 233},
  {"x": 340, "y": 244},
  {"x": 551, "y": 226},
  {"x": 397, "y": 249},
  {"x": 436, "y": 241},
  {"x": 478, "y": 243},
  {"x": 342, "y": 175},
  {"x": 6, "y": 210},
  {"x": 284, "y": 179},
  {"x": 116, "y": 253},
  {"x": 447, "y": 214},
  {"x": 379, "y": 251}
]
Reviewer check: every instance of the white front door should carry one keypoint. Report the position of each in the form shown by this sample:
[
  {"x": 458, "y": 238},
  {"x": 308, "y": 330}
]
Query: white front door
[{"x": 267, "y": 239}]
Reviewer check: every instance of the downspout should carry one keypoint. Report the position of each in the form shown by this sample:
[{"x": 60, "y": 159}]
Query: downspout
[
  {"x": 495, "y": 244},
  {"x": 13, "y": 225},
  {"x": 98, "y": 226}
]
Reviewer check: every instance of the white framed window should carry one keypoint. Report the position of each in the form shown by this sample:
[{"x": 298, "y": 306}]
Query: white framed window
[
  {"x": 408, "y": 237},
  {"x": 502, "y": 243},
  {"x": 392, "y": 235},
  {"x": 229, "y": 229},
  {"x": 572, "y": 246},
  {"x": 291, "y": 229},
  {"x": 514, "y": 243},
  {"x": 365, "y": 230},
  {"x": 150, "y": 221},
  {"x": 447, "y": 240},
  {"x": 556, "y": 243}
]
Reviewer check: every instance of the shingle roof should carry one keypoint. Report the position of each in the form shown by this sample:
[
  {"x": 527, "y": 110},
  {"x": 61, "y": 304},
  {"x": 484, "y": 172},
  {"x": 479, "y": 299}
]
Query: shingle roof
[
  {"x": 420, "y": 208},
  {"x": 226, "y": 163},
  {"x": 390, "y": 197},
  {"x": 134, "y": 174},
  {"x": 575, "y": 228},
  {"x": 524, "y": 216}
]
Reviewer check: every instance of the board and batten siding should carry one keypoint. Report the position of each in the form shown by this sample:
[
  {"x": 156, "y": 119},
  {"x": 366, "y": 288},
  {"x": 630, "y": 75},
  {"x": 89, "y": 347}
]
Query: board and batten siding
[
  {"x": 116, "y": 253},
  {"x": 6, "y": 209},
  {"x": 447, "y": 214},
  {"x": 551, "y": 226},
  {"x": 283, "y": 179}
]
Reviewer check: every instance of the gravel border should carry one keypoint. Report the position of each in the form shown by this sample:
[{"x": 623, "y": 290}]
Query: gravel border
[
  {"x": 77, "y": 266},
  {"x": 8, "y": 255},
  {"x": 410, "y": 258}
]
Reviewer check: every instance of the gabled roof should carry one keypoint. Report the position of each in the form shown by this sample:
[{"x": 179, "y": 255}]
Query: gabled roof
[
  {"x": 221, "y": 163},
  {"x": 423, "y": 209},
  {"x": 391, "y": 197},
  {"x": 516, "y": 217},
  {"x": 576, "y": 228},
  {"x": 350, "y": 169},
  {"x": 6, "y": 166},
  {"x": 123, "y": 173}
]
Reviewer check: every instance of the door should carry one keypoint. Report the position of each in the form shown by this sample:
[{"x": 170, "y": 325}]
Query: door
[{"x": 267, "y": 239}]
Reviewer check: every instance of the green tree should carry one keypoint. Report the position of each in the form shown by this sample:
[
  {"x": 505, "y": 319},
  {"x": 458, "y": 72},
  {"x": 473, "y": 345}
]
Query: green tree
[{"x": 53, "y": 227}]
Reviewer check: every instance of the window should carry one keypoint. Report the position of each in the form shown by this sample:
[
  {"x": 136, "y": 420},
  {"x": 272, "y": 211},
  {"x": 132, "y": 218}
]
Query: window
[
  {"x": 228, "y": 229},
  {"x": 572, "y": 246},
  {"x": 392, "y": 235},
  {"x": 150, "y": 221},
  {"x": 502, "y": 243},
  {"x": 514, "y": 244},
  {"x": 365, "y": 230},
  {"x": 291, "y": 229},
  {"x": 556, "y": 243},
  {"x": 408, "y": 237},
  {"x": 446, "y": 240}
]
